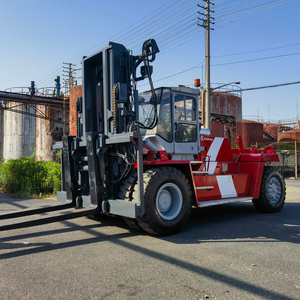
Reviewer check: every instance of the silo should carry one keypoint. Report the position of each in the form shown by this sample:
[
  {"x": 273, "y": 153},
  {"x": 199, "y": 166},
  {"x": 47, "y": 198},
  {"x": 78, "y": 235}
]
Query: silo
[
  {"x": 43, "y": 134},
  {"x": 225, "y": 104},
  {"x": 49, "y": 130},
  {"x": 19, "y": 131},
  {"x": 252, "y": 133}
]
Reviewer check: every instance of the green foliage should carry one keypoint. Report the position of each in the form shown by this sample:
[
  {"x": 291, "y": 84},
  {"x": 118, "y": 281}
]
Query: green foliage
[
  {"x": 287, "y": 147},
  {"x": 28, "y": 177},
  {"x": 280, "y": 146}
]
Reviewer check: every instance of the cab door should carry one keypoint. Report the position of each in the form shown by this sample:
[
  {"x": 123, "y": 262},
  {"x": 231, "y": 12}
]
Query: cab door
[{"x": 186, "y": 125}]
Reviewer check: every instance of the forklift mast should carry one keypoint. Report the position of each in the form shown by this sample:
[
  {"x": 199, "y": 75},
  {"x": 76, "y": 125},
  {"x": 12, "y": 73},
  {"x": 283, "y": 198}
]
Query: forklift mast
[
  {"x": 107, "y": 93},
  {"x": 108, "y": 140}
]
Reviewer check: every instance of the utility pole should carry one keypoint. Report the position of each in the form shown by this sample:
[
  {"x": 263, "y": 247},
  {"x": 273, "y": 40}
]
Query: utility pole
[
  {"x": 69, "y": 82},
  {"x": 297, "y": 115},
  {"x": 206, "y": 21},
  {"x": 69, "y": 71}
]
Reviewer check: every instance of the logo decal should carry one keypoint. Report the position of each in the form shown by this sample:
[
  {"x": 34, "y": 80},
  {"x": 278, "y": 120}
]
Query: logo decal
[{"x": 204, "y": 138}]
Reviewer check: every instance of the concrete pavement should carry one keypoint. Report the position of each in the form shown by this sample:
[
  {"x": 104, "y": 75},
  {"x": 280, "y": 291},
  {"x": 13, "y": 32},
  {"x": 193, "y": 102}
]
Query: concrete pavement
[{"x": 225, "y": 252}]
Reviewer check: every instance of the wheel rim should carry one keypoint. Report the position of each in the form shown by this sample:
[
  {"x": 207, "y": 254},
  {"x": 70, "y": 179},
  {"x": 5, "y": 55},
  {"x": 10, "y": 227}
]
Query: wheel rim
[
  {"x": 169, "y": 201},
  {"x": 274, "y": 189}
]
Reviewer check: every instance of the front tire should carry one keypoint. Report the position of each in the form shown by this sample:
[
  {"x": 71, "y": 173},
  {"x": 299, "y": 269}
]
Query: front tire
[
  {"x": 168, "y": 201},
  {"x": 125, "y": 193},
  {"x": 272, "y": 192}
]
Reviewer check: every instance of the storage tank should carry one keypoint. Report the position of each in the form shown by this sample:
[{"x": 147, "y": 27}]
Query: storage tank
[
  {"x": 19, "y": 131},
  {"x": 227, "y": 105},
  {"x": 252, "y": 133},
  {"x": 43, "y": 135},
  {"x": 49, "y": 130}
]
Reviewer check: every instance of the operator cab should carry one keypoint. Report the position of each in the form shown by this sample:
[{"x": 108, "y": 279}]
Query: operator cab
[{"x": 177, "y": 128}]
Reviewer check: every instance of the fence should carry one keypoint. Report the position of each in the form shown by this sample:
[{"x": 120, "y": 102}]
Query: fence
[{"x": 289, "y": 155}]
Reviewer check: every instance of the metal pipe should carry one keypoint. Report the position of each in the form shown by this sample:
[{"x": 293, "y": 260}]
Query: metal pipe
[
  {"x": 15, "y": 97},
  {"x": 149, "y": 145}
]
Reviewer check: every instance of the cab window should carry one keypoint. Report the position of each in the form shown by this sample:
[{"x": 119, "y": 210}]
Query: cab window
[
  {"x": 185, "y": 114},
  {"x": 164, "y": 127},
  {"x": 185, "y": 108}
]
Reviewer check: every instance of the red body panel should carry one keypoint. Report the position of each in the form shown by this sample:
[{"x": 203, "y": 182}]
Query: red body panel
[
  {"x": 224, "y": 172},
  {"x": 241, "y": 184}
]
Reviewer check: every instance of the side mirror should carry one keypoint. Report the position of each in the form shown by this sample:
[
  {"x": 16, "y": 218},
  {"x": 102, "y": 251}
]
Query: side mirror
[{"x": 144, "y": 71}]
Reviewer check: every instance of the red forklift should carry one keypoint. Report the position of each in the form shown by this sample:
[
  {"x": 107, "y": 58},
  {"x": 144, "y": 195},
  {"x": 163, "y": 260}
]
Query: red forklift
[{"x": 147, "y": 158}]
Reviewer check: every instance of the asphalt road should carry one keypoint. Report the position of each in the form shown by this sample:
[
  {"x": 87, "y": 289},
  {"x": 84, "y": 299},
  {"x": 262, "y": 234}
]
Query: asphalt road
[{"x": 225, "y": 252}]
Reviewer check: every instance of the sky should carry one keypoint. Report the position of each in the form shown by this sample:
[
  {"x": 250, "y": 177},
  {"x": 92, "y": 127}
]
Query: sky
[{"x": 254, "y": 42}]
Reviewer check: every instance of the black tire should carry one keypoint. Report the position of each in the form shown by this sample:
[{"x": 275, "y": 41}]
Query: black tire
[
  {"x": 125, "y": 193},
  {"x": 272, "y": 191},
  {"x": 168, "y": 201}
]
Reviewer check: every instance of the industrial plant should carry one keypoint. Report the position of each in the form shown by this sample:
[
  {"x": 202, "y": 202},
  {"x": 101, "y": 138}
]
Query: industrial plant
[{"x": 31, "y": 120}]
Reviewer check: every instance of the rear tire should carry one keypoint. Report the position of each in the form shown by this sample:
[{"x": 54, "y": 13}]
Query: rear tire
[
  {"x": 168, "y": 201},
  {"x": 272, "y": 191}
]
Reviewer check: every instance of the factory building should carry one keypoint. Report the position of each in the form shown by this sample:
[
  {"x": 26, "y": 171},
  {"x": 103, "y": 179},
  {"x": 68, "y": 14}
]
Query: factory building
[{"x": 268, "y": 133}]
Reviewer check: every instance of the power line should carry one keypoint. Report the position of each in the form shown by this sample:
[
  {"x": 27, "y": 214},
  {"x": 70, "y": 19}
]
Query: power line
[
  {"x": 46, "y": 74},
  {"x": 216, "y": 65},
  {"x": 255, "y": 59},
  {"x": 248, "y": 8},
  {"x": 236, "y": 16},
  {"x": 142, "y": 25},
  {"x": 181, "y": 72},
  {"x": 161, "y": 22},
  {"x": 252, "y": 8},
  {"x": 172, "y": 30},
  {"x": 173, "y": 22},
  {"x": 268, "y": 86},
  {"x": 120, "y": 33},
  {"x": 180, "y": 14},
  {"x": 255, "y": 51}
]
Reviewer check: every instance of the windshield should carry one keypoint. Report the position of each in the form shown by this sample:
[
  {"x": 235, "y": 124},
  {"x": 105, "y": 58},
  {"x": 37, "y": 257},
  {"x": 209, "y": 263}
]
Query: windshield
[
  {"x": 164, "y": 112},
  {"x": 146, "y": 106},
  {"x": 146, "y": 109}
]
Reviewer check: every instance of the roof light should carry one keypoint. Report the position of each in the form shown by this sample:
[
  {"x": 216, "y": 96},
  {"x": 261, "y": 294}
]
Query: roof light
[{"x": 197, "y": 82}]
